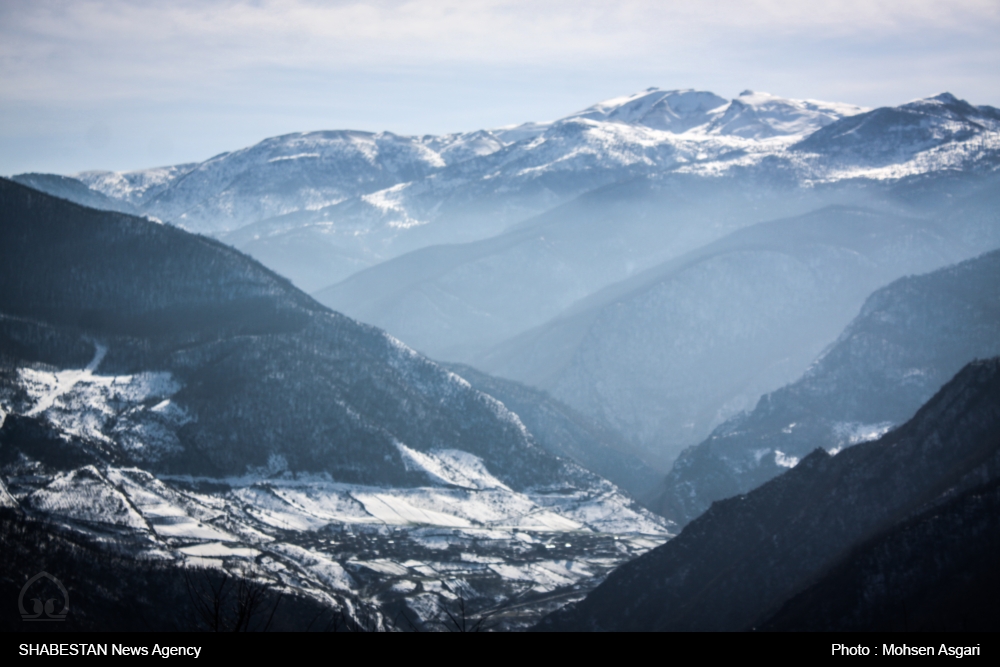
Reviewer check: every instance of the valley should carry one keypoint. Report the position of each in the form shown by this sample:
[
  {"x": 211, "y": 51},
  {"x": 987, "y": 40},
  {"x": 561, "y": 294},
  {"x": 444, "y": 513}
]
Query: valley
[{"x": 557, "y": 375}]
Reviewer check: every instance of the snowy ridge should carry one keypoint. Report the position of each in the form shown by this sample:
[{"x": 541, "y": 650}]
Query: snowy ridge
[
  {"x": 349, "y": 172},
  {"x": 455, "y": 148},
  {"x": 135, "y": 187},
  {"x": 752, "y": 115},
  {"x": 320, "y": 206},
  {"x": 671, "y": 110},
  {"x": 854, "y": 433},
  {"x": 756, "y": 115}
]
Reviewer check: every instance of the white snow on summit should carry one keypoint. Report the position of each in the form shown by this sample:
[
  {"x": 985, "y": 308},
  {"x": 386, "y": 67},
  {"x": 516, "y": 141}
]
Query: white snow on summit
[
  {"x": 308, "y": 171},
  {"x": 318, "y": 207},
  {"x": 673, "y": 111},
  {"x": 756, "y": 115},
  {"x": 137, "y": 186},
  {"x": 752, "y": 115}
]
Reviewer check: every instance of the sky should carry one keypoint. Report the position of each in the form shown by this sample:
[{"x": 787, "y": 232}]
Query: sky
[{"x": 123, "y": 84}]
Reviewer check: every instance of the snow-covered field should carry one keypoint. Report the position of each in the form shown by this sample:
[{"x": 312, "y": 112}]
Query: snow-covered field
[
  {"x": 413, "y": 552},
  {"x": 464, "y": 538}
]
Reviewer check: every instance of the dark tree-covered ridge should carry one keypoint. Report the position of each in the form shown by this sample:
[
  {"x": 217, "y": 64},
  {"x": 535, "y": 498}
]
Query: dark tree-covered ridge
[
  {"x": 736, "y": 565},
  {"x": 266, "y": 372}
]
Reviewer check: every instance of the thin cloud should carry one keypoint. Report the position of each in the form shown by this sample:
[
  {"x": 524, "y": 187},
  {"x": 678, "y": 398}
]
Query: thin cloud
[
  {"x": 214, "y": 75},
  {"x": 47, "y": 46}
]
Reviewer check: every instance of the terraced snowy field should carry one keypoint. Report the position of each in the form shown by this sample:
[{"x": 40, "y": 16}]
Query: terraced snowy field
[{"x": 416, "y": 554}]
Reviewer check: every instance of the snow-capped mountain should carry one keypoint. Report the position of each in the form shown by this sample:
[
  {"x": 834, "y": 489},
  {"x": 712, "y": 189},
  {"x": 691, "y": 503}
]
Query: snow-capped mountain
[
  {"x": 347, "y": 199},
  {"x": 752, "y": 115},
  {"x": 895, "y": 134},
  {"x": 162, "y": 386}
]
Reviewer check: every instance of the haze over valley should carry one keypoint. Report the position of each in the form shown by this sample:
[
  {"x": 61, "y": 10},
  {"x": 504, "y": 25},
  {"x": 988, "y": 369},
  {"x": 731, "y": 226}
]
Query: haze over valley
[{"x": 552, "y": 374}]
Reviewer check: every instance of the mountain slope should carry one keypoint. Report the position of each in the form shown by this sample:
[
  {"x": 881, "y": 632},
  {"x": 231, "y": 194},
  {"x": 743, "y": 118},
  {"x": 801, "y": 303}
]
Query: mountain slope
[
  {"x": 456, "y": 301},
  {"x": 73, "y": 190},
  {"x": 932, "y": 573},
  {"x": 668, "y": 354},
  {"x": 303, "y": 384},
  {"x": 564, "y": 432},
  {"x": 733, "y": 567},
  {"x": 171, "y": 398},
  {"x": 909, "y": 339}
]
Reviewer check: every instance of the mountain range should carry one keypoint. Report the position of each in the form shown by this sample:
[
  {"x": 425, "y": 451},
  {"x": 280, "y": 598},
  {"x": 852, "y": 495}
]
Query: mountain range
[
  {"x": 731, "y": 311},
  {"x": 349, "y": 199},
  {"x": 500, "y": 248}
]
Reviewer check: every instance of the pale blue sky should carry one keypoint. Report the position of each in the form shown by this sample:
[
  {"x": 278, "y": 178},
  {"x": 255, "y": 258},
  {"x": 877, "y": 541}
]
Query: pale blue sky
[{"x": 117, "y": 84}]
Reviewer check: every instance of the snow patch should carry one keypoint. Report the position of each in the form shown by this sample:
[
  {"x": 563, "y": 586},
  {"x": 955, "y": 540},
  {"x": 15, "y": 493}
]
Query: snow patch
[
  {"x": 784, "y": 460},
  {"x": 6, "y": 499},
  {"x": 394, "y": 510},
  {"x": 324, "y": 568},
  {"x": 298, "y": 156},
  {"x": 451, "y": 467},
  {"x": 853, "y": 433},
  {"x": 86, "y": 495},
  {"x": 217, "y": 550},
  {"x": 110, "y": 409}
]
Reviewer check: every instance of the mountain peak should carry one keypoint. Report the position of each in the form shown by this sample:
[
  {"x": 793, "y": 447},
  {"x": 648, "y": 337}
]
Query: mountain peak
[
  {"x": 670, "y": 110},
  {"x": 760, "y": 115},
  {"x": 946, "y": 98},
  {"x": 944, "y": 105}
]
